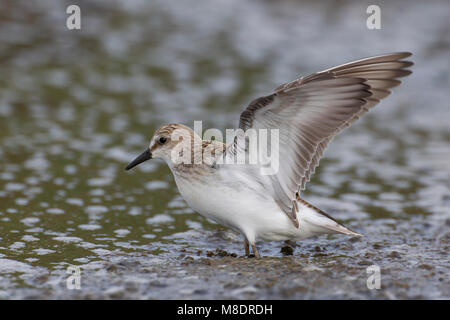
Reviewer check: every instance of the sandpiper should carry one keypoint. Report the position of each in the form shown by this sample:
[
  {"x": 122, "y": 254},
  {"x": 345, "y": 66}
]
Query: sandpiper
[{"x": 308, "y": 112}]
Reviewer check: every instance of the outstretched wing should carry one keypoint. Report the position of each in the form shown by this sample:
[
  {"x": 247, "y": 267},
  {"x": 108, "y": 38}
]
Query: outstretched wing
[{"x": 310, "y": 111}]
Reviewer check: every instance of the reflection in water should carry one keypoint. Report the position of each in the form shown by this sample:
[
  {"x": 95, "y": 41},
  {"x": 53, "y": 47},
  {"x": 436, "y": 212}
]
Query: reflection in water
[{"x": 76, "y": 106}]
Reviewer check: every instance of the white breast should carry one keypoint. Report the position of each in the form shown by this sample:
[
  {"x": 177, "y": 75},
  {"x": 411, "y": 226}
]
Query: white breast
[
  {"x": 236, "y": 203},
  {"x": 214, "y": 200},
  {"x": 233, "y": 203}
]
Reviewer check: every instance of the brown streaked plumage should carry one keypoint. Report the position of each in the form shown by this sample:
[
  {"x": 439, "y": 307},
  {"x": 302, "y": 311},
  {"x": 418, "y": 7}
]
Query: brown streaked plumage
[{"x": 203, "y": 153}]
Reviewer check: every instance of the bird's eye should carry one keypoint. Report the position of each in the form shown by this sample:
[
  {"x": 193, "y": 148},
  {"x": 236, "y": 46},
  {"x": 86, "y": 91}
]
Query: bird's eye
[{"x": 162, "y": 140}]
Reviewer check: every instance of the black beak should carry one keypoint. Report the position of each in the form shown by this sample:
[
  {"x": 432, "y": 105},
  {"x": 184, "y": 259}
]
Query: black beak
[{"x": 144, "y": 156}]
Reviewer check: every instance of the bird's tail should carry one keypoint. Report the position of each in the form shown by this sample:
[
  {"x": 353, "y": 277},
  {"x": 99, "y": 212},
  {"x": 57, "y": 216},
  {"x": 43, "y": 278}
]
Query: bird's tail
[{"x": 322, "y": 221}]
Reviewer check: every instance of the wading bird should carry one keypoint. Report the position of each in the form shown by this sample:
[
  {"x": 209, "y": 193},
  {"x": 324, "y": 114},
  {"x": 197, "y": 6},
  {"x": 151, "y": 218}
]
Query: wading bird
[{"x": 308, "y": 112}]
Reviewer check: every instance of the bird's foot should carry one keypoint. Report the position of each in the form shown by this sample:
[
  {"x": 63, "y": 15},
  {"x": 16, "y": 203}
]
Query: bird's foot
[
  {"x": 255, "y": 251},
  {"x": 247, "y": 250}
]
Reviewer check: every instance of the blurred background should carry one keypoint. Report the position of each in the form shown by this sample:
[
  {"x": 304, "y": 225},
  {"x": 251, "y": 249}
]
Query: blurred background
[{"x": 77, "y": 105}]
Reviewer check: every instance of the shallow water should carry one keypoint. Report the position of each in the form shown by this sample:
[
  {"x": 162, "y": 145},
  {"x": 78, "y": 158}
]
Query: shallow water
[{"x": 76, "y": 106}]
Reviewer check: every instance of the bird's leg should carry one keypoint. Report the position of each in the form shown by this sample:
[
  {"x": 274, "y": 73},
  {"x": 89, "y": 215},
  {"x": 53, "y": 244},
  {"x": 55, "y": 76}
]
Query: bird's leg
[
  {"x": 247, "y": 247},
  {"x": 255, "y": 251}
]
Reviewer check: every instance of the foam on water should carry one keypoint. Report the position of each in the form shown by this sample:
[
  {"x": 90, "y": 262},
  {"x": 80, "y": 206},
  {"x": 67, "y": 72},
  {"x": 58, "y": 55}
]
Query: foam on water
[{"x": 159, "y": 219}]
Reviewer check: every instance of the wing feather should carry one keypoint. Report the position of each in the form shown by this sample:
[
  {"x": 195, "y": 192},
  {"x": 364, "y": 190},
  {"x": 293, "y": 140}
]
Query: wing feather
[{"x": 310, "y": 111}]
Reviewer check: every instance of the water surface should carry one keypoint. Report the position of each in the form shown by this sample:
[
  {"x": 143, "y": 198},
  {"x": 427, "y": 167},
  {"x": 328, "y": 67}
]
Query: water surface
[{"x": 77, "y": 106}]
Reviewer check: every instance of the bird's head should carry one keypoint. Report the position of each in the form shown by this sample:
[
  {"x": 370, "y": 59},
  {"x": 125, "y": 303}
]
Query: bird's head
[{"x": 174, "y": 143}]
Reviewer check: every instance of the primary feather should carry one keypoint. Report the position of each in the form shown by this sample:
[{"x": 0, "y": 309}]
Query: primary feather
[{"x": 310, "y": 111}]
